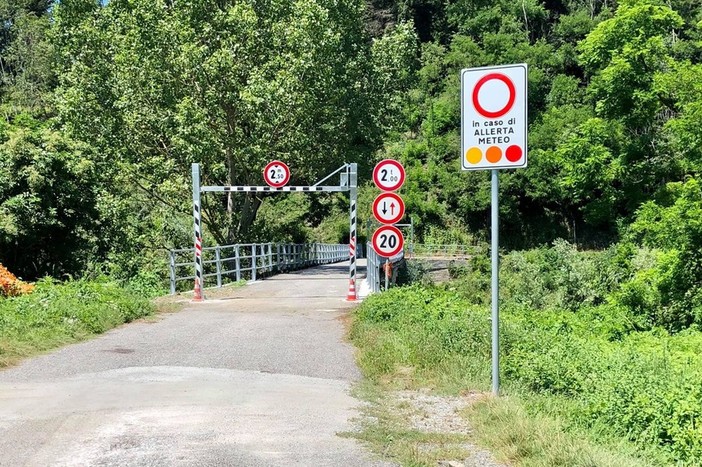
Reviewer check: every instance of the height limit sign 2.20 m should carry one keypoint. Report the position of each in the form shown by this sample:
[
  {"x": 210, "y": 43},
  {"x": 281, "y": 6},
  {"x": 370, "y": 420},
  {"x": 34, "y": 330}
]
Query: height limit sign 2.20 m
[{"x": 494, "y": 117}]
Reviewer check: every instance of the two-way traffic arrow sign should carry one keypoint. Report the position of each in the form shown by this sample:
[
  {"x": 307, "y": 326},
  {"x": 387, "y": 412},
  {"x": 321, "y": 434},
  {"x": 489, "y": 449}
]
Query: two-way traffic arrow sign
[{"x": 388, "y": 208}]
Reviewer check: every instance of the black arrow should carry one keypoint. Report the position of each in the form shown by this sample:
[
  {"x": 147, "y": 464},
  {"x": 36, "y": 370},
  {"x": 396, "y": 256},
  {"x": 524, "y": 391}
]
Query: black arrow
[
  {"x": 392, "y": 209},
  {"x": 385, "y": 210}
]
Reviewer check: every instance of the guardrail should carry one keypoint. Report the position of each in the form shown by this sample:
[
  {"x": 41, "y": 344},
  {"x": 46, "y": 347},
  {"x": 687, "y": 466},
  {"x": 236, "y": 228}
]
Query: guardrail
[
  {"x": 374, "y": 271},
  {"x": 229, "y": 263},
  {"x": 373, "y": 264},
  {"x": 422, "y": 249}
]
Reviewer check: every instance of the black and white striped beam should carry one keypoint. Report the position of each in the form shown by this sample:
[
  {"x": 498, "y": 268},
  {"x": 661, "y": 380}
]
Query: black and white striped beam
[{"x": 249, "y": 189}]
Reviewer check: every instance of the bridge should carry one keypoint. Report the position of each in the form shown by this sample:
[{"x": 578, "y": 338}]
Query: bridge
[{"x": 224, "y": 264}]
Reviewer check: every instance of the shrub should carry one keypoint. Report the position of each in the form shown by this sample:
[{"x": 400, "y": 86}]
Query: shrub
[
  {"x": 62, "y": 312},
  {"x": 434, "y": 324},
  {"x": 413, "y": 272},
  {"x": 670, "y": 293},
  {"x": 556, "y": 278}
]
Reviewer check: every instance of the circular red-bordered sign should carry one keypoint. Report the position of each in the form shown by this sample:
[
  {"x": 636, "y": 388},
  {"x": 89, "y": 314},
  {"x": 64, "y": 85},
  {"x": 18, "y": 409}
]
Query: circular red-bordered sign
[
  {"x": 388, "y": 241},
  {"x": 276, "y": 174},
  {"x": 510, "y": 102},
  {"x": 389, "y": 175},
  {"x": 388, "y": 208}
]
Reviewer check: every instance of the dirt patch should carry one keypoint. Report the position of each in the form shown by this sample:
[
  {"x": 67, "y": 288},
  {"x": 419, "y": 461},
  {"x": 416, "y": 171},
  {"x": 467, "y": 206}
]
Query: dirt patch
[
  {"x": 430, "y": 413},
  {"x": 434, "y": 414}
]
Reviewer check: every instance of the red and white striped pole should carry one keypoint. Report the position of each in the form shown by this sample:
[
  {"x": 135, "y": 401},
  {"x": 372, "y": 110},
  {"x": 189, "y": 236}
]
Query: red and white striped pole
[
  {"x": 197, "y": 218},
  {"x": 352, "y": 247}
]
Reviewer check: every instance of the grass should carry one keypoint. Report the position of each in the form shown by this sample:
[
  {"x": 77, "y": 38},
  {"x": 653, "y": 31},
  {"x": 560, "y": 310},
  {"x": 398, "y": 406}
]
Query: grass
[
  {"x": 56, "y": 314},
  {"x": 517, "y": 430},
  {"x": 579, "y": 392},
  {"x": 536, "y": 440}
]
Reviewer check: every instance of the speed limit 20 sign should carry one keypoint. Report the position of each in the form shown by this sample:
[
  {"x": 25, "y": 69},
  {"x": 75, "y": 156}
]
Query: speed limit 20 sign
[
  {"x": 388, "y": 175},
  {"x": 276, "y": 174},
  {"x": 388, "y": 241}
]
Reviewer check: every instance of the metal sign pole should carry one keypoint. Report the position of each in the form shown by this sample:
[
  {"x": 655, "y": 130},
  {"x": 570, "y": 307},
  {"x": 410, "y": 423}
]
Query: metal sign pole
[
  {"x": 494, "y": 97},
  {"x": 495, "y": 283},
  {"x": 197, "y": 218},
  {"x": 387, "y": 279},
  {"x": 353, "y": 192}
]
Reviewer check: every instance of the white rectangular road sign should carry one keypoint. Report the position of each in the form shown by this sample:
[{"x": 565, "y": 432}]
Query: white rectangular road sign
[{"x": 494, "y": 117}]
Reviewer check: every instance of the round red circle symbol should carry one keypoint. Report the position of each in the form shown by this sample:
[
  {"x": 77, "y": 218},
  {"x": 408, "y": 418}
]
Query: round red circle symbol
[
  {"x": 510, "y": 102},
  {"x": 276, "y": 174},
  {"x": 388, "y": 208},
  {"x": 514, "y": 153},
  {"x": 388, "y": 175},
  {"x": 388, "y": 241}
]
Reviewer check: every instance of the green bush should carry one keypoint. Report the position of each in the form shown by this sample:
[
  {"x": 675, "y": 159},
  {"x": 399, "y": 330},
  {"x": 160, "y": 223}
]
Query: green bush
[
  {"x": 456, "y": 269},
  {"x": 413, "y": 272},
  {"x": 669, "y": 293},
  {"x": 555, "y": 278},
  {"x": 57, "y": 313},
  {"x": 146, "y": 284},
  {"x": 434, "y": 324},
  {"x": 655, "y": 287}
]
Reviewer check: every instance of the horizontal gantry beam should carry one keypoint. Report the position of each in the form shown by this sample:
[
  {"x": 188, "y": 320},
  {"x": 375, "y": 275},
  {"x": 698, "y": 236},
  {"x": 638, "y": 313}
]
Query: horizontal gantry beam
[{"x": 249, "y": 189}]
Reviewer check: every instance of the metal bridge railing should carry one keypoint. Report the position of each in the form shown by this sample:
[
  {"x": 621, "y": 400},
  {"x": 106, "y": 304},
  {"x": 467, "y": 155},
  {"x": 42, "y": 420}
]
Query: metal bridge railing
[
  {"x": 423, "y": 249},
  {"x": 229, "y": 263},
  {"x": 374, "y": 261}
]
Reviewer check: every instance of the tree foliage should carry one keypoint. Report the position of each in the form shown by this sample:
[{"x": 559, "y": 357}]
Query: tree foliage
[
  {"x": 612, "y": 109},
  {"x": 147, "y": 88},
  {"x": 138, "y": 90},
  {"x": 48, "y": 195},
  {"x": 26, "y": 55},
  {"x": 233, "y": 85}
]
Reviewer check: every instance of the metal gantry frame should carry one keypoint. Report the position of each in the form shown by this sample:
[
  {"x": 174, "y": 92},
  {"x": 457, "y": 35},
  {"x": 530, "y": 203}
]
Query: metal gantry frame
[{"x": 348, "y": 183}]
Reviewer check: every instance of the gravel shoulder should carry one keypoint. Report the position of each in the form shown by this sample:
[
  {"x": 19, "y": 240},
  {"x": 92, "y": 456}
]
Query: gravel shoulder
[
  {"x": 431, "y": 413},
  {"x": 421, "y": 428}
]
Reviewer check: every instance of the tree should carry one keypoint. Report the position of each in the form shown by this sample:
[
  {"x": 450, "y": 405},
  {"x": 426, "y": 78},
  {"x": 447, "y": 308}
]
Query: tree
[
  {"x": 158, "y": 85},
  {"x": 622, "y": 55},
  {"x": 26, "y": 73},
  {"x": 48, "y": 191}
]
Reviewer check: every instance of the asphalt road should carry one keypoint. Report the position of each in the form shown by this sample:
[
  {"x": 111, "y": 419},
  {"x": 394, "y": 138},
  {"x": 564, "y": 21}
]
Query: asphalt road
[{"x": 261, "y": 378}]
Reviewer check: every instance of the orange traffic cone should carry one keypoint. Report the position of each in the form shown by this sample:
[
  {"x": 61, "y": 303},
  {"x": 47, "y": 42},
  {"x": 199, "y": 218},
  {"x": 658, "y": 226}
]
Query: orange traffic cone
[
  {"x": 197, "y": 292},
  {"x": 351, "y": 297}
]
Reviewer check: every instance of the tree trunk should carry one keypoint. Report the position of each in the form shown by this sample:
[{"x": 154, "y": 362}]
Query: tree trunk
[
  {"x": 230, "y": 195},
  {"x": 247, "y": 215}
]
